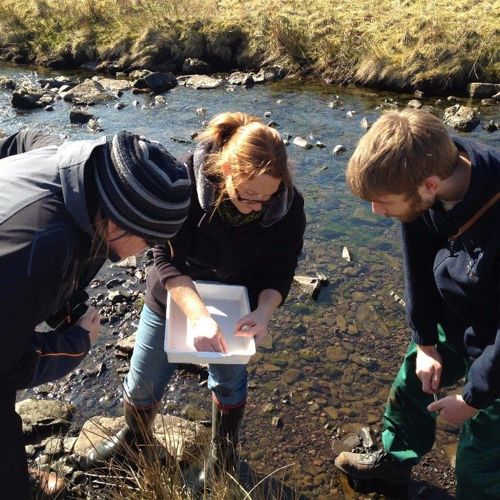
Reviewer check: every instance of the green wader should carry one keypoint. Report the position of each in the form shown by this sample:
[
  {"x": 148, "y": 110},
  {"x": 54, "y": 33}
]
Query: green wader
[{"x": 410, "y": 428}]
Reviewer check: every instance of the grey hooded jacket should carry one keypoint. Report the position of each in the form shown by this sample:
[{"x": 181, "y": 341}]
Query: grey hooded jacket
[{"x": 45, "y": 241}]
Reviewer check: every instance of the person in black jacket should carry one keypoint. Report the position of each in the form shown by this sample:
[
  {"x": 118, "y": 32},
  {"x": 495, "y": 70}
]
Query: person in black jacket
[
  {"x": 64, "y": 209},
  {"x": 446, "y": 192},
  {"x": 245, "y": 227}
]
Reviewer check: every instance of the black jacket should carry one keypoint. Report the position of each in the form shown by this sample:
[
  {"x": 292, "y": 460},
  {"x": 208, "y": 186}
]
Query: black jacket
[
  {"x": 259, "y": 255},
  {"x": 45, "y": 240},
  {"x": 457, "y": 283}
]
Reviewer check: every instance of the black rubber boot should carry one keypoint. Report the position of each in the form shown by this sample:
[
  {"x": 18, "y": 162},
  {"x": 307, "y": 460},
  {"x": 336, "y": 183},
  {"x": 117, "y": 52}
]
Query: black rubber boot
[
  {"x": 137, "y": 436},
  {"x": 223, "y": 457}
]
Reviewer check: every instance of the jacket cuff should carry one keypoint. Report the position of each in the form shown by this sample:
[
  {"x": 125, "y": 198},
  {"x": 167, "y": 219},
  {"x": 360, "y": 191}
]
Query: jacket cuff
[
  {"x": 475, "y": 398},
  {"x": 426, "y": 338}
]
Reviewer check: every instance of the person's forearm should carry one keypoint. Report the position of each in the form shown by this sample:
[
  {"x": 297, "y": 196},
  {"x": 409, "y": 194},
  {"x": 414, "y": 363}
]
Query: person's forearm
[
  {"x": 184, "y": 294},
  {"x": 268, "y": 301}
]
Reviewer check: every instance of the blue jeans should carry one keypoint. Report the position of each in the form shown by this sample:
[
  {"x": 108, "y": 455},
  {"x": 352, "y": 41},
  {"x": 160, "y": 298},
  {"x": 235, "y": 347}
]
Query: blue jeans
[{"x": 150, "y": 370}]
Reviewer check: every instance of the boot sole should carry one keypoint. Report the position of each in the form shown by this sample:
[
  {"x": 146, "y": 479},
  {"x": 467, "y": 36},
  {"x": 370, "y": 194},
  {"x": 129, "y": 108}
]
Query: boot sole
[{"x": 367, "y": 477}]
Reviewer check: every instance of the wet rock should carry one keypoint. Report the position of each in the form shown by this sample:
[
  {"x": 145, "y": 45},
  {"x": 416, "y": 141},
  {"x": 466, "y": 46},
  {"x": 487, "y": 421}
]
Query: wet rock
[
  {"x": 292, "y": 375},
  {"x": 481, "y": 90},
  {"x": 415, "y": 104},
  {"x": 114, "y": 282},
  {"x": 43, "y": 414},
  {"x": 346, "y": 254},
  {"x": 184, "y": 440},
  {"x": 127, "y": 344},
  {"x": 320, "y": 145},
  {"x": 461, "y": 118},
  {"x": 452, "y": 99},
  {"x": 302, "y": 142},
  {"x": 336, "y": 354},
  {"x": 119, "y": 105},
  {"x": 113, "y": 85},
  {"x": 193, "y": 66},
  {"x": 94, "y": 126},
  {"x": 7, "y": 83},
  {"x": 365, "y": 123},
  {"x": 118, "y": 296},
  {"x": 418, "y": 94},
  {"x": 489, "y": 102},
  {"x": 180, "y": 140},
  {"x": 155, "y": 82},
  {"x": 366, "y": 437},
  {"x": 203, "y": 82},
  {"x": 350, "y": 114},
  {"x": 311, "y": 285},
  {"x": 267, "y": 75},
  {"x": 338, "y": 149},
  {"x": 240, "y": 78},
  {"x": 89, "y": 92},
  {"x": 277, "y": 422},
  {"x": 79, "y": 116},
  {"x": 138, "y": 74},
  {"x": 491, "y": 126},
  {"x": 125, "y": 263},
  {"x": 59, "y": 82},
  {"x": 160, "y": 100},
  {"x": 273, "y": 124},
  {"x": 49, "y": 107},
  {"x": 336, "y": 104},
  {"x": 24, "y": 99}
]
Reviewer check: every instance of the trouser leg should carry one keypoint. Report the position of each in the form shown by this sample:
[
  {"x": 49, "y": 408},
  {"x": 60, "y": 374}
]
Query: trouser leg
[
  {"x": 13, "y": 465},
  {"x": 26, "y": 140},
  {"x": 150, "y": 370},
  {"x": 478, "y": 456},
  {"x": 409, "y": 428}
]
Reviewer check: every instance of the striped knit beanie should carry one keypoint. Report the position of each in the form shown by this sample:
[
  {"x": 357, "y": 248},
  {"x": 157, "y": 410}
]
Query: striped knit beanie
[{"x": 142, "y": 188}]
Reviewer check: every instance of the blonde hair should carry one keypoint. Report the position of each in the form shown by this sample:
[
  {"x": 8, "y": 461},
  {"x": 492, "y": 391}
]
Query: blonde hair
[
  {"x": 398, "y": 153},
  {"x": 249, "y": 146}
]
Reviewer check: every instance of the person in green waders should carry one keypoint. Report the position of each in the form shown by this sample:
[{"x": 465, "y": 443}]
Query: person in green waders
[{"x": 446, "y": 193}]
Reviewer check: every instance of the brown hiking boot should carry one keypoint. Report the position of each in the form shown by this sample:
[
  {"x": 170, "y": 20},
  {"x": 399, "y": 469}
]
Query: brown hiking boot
[
  {"x": 373, "y": 465},
  {"x": 46, "y": 484}
]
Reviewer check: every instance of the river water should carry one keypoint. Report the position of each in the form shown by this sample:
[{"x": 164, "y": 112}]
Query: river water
[{"x": 326, "y": 368}]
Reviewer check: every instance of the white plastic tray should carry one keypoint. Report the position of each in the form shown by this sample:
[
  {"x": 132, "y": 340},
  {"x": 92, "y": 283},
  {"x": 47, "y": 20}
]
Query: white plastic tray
[{"x": 226, "y": 304}]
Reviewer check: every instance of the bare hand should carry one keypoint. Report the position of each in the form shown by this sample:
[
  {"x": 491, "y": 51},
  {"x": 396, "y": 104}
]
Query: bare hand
[
  {"x": 254, "y": 325},
  {"x": 429, "y": 368},
  {"x": 453, "y": 409},
  {"x": 208, "y": 336},
  {"x": 90, "y": 321}
]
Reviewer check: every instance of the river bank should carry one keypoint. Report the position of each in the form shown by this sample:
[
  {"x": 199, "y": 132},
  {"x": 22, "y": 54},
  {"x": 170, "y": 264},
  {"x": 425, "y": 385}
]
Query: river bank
[{"x": 434, "y": 47}]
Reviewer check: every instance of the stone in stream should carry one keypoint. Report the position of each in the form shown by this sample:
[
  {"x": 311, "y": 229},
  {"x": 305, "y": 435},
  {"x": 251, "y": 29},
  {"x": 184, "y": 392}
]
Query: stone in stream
[
  {"x": 155, "y": 82},
  {"x": 338, "y": 149},
  {"x": 320, "y": 145},
  {"x": 336, "y": 104},
  {"x": 7, "y": 83},
  {"x": 203, "y": 82},
  {"x": 365, "y": 123},
  {"x": 240, "y": 78},
  {"x": 201, "y": 111},
  {"x": 479, "y": 90},
  {"x": 128, "y": 262},
  {"x": 311, "y": 285},
  {"x": 184, "y": 440},
  {"x": 414, "y": 103},
  {"x": 26, "y": 99},
  {"x": 302, "y": 143},
  {"x": 350, "y": 114},
  {"x": 79, "y": 116},
  {"x": 346, "y": 254},
  {"x": 491, "y": 126},
  {"x": 127, "y": 344},
  {"x": 461, "y": 118},
  {"x": 93, "y": 126},
  {"x": 113, "y": 85},
  {"x": 119, "y": 105},
  {"x": 89, "y": 92}
]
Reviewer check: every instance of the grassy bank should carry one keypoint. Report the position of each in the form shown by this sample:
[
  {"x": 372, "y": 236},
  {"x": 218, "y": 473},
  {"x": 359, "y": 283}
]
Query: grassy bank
[{"x": 424, "y": 44}]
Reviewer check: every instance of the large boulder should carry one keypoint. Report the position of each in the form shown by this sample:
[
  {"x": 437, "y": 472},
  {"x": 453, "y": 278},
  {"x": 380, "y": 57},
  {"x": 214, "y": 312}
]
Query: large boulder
[
  {"x": 240, "y": 78},
  {"x": 113, "y": 85},
  {"x": 482, "y": 90},
  {"x": 39, "y": 416},
  {"x": 156, "y": 82},
  {"x": 88, "y": 93},
  {"x": 461, "y": 118},
  {"x": 58, "y": 82},
  {"x": 183, "y": 439},
  {"x": 203, "y": 82}
]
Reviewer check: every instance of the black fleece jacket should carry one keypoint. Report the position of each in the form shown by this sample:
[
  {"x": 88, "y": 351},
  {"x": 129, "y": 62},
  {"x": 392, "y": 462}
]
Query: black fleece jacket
[
  {"x": 207, "y": 248},
  {"x": 457, "y": 283}
]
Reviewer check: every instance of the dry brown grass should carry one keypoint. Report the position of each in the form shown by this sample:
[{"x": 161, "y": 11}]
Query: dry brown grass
[{"x": 401, "y": 43}]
